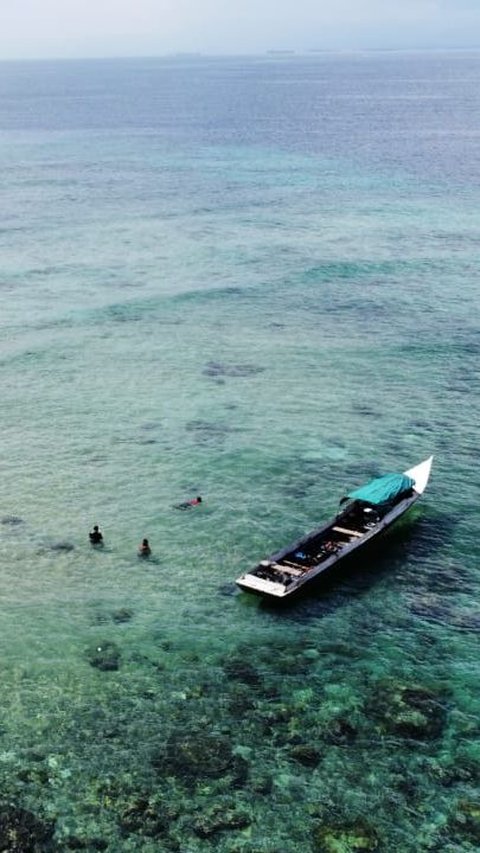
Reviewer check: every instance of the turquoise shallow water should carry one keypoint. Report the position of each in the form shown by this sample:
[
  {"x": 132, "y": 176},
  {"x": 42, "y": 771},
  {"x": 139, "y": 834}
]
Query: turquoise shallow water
[{"x": 256, "y": 281}]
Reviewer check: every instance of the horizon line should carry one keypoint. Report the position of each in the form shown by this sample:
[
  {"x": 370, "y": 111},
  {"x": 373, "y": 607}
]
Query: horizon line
[{"x": 273, "y": 53}]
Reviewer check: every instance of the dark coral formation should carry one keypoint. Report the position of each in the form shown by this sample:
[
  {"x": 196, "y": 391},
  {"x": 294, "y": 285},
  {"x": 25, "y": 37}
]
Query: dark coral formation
[
  {"x": 195, "y": 755},
  {"x": 219, "y": 818},
  {"x": 356, "y": 837},
  {"x": 208, "y": 432},
  {"x": 239, "y": 669},
  {"x": 62, "y": 546},
  {"x": 339, "y": 731},
  {"x": 437, "y": 608},
  {"x": 104, "y": 655},
  {"x": 148, "y": 815},
  {"x": 23, "y": 832},
  {"x": 75, "y": 842},
  {"x": 219, "y": 369},
  {"x": 306, "y": 755},
  {"x": 123, "y": 614},
  {"x": 466, "y": 823},
  {"x": 409, "y": 711}
]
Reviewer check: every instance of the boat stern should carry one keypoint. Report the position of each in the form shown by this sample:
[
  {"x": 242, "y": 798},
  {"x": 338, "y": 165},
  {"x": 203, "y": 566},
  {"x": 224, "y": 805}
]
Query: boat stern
[{"x": 262, "y": 586}]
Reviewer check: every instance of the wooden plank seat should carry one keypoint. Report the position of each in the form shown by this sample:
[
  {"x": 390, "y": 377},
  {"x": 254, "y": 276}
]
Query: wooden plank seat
[
  {"x": 298, "y": 566},
  {"x": 347, "y": 531},
  {"x": 287, "y": 569}
]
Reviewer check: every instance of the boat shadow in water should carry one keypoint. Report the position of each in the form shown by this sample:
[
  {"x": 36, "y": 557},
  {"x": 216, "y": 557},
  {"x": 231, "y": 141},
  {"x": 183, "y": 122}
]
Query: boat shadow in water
[{"x": 358, "y": 573}]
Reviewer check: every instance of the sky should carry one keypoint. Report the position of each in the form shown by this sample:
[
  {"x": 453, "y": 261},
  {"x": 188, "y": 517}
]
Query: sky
[{"x": 104, "y": 28}]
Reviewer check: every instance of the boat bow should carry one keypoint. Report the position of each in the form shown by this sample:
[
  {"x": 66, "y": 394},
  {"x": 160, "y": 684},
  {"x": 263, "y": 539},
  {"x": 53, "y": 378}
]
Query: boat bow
[{"x": 420, "y": 474}]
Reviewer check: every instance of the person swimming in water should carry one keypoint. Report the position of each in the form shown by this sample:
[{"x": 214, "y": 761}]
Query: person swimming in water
[
  {"x": 188, "y": 504},
  {"x": 95, "y": 536},
  {"x": 144, "y": 549}
]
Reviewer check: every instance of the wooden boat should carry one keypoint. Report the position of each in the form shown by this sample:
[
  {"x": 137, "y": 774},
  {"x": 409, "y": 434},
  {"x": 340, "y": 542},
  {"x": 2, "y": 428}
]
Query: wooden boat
[{"x": 365, "y": 513}]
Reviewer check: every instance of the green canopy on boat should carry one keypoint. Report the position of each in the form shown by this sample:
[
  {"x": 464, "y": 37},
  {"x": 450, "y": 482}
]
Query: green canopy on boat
[{"x": 383, "y": 489}]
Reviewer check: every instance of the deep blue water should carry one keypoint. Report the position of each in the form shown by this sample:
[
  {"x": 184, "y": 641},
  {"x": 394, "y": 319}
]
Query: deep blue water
[{"x": 253, "y": 279}]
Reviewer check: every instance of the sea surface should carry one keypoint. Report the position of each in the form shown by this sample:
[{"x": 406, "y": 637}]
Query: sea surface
[{"x": 254, "y": 280}]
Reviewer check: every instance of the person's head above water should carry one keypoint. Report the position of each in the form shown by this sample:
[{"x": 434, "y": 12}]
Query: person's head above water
[
  {"x": 144, "y": 549},
  {"x": 96, "y": 537}
]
